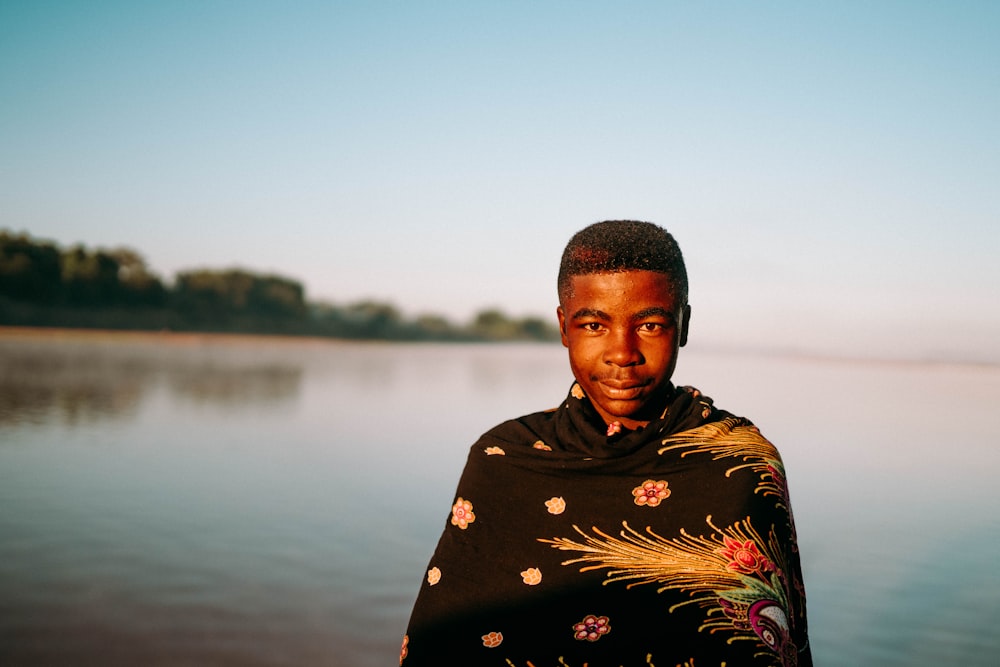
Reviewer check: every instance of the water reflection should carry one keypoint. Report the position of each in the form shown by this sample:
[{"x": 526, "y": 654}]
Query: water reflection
[
  {"x": 257, "y": 502},
  {"x": 46, "y": 379},
  {"x": 236, "y": 387}
]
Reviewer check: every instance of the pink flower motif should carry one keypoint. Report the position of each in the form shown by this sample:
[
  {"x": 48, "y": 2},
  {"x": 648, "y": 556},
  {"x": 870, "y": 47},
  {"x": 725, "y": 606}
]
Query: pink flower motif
[
  {"x": 650, "y": 493},
  {"x": 403, "y": 651},
  {"x": 493, "y": 639},
  {"x": 433, "y": 575},
  {"x": 462, "y": 514},
  {"x": 556, "y": 505},
  {"x": 490, "y": 451},
  {"x": 744, "y": 557},
  {"x": 542, "y": 446},
  {"x": 592, "y": 628},
  {"x": 614, "y": 428}
]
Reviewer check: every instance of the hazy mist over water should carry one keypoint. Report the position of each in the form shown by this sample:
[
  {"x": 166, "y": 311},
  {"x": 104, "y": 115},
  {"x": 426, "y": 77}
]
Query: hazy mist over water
[{"x": 169, "y": 500}]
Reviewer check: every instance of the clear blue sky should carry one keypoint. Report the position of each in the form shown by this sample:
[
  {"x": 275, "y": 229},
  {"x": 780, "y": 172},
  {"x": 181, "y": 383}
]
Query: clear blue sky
[{"x": 832, "y": 170}]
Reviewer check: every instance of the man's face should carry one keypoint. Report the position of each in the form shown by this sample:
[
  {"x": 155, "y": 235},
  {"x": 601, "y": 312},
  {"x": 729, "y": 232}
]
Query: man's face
[{"x": 623, "y": 330}]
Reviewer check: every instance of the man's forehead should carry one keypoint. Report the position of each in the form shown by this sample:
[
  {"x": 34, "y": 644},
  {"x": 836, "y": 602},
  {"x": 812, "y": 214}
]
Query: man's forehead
[{"x": 650, "y": 284}]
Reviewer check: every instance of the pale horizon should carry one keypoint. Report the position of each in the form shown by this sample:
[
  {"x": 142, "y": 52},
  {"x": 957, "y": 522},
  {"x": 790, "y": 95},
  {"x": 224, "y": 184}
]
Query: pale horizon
[{"x": 829, "y": 171}]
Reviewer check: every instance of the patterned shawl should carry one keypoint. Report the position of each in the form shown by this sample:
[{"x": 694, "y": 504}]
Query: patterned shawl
[{"x": 572, "y": 543}]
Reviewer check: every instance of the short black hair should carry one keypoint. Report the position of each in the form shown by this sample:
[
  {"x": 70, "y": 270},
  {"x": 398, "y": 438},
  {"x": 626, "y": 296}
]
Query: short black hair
[{"x": 623, "y": 245}]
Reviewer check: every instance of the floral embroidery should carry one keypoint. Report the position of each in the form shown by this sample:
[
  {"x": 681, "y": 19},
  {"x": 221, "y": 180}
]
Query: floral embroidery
[
  {"x": 577, "y": 391},
  {"x": 403, "y": 651},
  {"x": 556, "y": 505},
  {"x": 462, "y": 514},
  {"x": 493, "y": 639},
  {"x": 490, "y": 451},
  {"x": 532, "y": 576},
  {"x": 433, "y": 576},
  {"x": 744, "y": 557},
  {"x": 650, "y": 493},
  {"x": 614, "y": 428},
  {"x": 592, "y": 628},
  {"x": 542, "y": 446},
  {"x": 735, "y": 571}
]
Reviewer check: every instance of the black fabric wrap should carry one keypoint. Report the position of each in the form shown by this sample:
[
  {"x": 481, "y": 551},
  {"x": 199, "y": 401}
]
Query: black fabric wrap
[{"x": 669, "y": 545}]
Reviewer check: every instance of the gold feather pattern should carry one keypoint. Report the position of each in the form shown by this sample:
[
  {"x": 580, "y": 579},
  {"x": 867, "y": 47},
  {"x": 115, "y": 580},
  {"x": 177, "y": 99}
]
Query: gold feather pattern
[
  {"x": 733, "y": 574},
  {"x": 735, "y": 437}
]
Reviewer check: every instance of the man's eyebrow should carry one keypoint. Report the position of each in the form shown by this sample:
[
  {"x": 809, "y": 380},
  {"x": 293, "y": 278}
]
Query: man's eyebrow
[
  {"x": 655, "y": 311},
  {"x": 590, "y": 313}
]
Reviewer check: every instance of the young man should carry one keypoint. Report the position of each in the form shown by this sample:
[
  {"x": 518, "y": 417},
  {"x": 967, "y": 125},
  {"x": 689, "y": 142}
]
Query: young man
[{"x": 635, "y": 524}]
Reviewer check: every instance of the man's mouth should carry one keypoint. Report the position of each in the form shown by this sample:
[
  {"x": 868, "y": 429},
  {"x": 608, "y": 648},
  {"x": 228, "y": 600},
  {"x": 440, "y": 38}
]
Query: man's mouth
[{"x": 622, "y": 390}]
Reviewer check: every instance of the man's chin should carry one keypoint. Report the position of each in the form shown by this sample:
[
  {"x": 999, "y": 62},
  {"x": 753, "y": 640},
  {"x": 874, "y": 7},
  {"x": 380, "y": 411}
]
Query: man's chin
[
  {"x": 643, "y": 408},
  {"x": 622, "y": 410}
]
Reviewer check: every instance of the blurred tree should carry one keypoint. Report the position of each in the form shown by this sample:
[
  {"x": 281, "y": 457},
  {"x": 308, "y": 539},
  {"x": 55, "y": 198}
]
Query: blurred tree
[
  {"x": 276, "y": 296},
  {"x": 137, "y": 286},
  {"x": 29, "y": 270},
  {"x": 89, "y": 278},
  {"x": 42, "y": 284},
  {"x": 373, "y": 319},
  {"x": 535, "y": 328},
  {"x": 430, "y": 326},
  {"x": 494, "y": 325},
  {"x": 209, "y": 295}
]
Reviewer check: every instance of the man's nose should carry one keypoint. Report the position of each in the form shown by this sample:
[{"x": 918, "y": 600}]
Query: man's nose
[{"x": 623, "y": 349}]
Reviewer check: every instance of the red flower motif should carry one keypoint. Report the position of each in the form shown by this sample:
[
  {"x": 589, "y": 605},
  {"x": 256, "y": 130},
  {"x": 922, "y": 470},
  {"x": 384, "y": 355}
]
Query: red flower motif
[
  {"x": 592, "y": 628},
  {"x": 614, "y": 428},
  {"x": 650, "y": 493},
  {"x": 744, "y": 557}
]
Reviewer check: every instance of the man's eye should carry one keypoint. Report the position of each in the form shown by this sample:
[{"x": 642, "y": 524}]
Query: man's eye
[
  {"x": 651, "y": 327},
  {"x": 592, "y": 326}
]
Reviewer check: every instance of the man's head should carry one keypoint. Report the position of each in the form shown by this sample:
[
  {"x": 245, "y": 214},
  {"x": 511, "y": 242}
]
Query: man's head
[
  {"x": 623, "y": 314},
  {"x": 623, "y": 245}
]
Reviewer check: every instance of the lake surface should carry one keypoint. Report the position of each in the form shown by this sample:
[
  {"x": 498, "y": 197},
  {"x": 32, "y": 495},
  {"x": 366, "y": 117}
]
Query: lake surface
[{"x": 181, "y": 500}]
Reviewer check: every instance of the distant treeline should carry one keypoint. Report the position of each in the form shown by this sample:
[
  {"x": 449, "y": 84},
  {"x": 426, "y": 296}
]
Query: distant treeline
[{"x": 42, "y": 284}]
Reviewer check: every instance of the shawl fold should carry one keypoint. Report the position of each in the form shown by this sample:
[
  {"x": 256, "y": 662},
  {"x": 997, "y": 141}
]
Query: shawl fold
[{"x": 571, "y": 542}]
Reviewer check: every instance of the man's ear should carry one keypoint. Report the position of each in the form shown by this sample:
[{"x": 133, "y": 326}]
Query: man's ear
[
  {"x": 562, "y": 326},
  {"x": 685, "y": 323}
]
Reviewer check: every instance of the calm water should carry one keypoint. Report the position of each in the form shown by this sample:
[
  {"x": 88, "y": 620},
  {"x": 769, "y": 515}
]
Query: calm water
[{"x": 221, "y": 501}]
